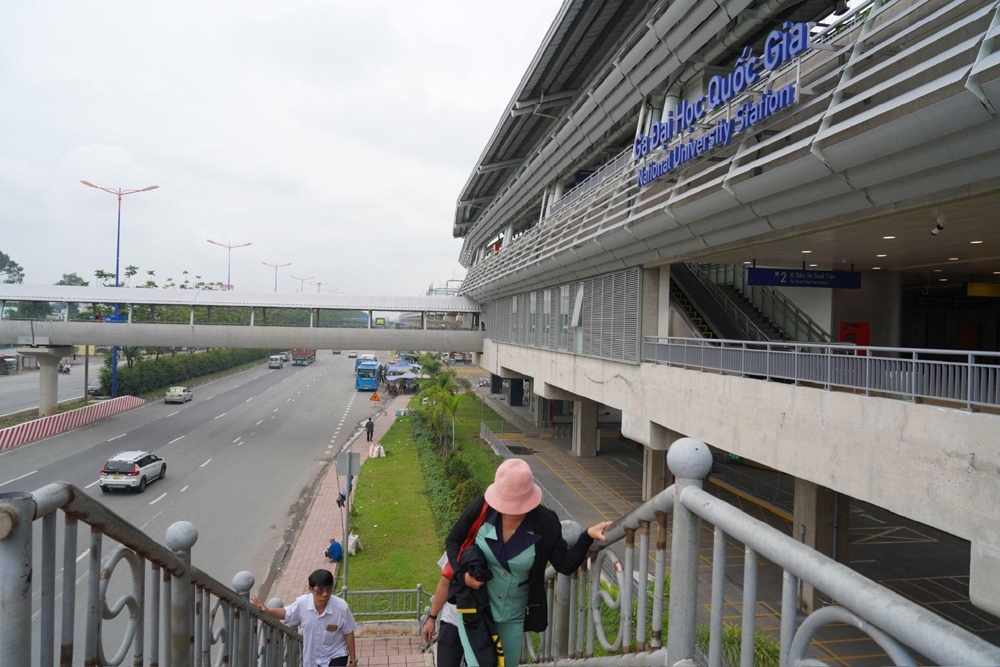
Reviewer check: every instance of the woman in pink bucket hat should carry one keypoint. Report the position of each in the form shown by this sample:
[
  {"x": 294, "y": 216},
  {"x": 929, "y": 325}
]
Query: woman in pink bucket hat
[{"x": 518, "y": 538}]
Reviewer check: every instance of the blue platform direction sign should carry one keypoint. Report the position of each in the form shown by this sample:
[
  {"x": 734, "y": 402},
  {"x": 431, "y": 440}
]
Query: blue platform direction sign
[{"x": 802, "y": 278}]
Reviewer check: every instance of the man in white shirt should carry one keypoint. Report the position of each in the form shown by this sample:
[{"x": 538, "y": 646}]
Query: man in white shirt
[{"x": 327, "y": 623}]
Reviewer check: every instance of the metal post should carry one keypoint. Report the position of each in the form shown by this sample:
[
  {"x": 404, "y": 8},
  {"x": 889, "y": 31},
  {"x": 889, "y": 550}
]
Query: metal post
[
  {"x": 181, "y": 536},
  {"x": 16, "y": 514},
  {"x": 114, "y": 350},
  {"x": 562, "y": 617},
  {"x": 718, "y": 600},
  {"x": 242, "y": 583},
  {"x": 641, "y": 610},
  {"x": 690, "y": 461},
  {"x": 68, "y": 591},
  {"x": 749, "y": 626},
  {"x": 347, "y": 521},
  {"x": 971, "y": 382},
  {"x": 659, "y": 574},
  {"x": 86, "y": 373}
]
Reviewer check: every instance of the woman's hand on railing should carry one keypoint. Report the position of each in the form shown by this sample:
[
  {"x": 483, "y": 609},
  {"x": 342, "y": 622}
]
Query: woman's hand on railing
[{"x": 597, "y": 530}]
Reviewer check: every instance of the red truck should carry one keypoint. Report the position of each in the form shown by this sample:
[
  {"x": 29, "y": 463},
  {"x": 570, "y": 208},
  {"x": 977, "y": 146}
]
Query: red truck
[{"x": 303, "y": 357}]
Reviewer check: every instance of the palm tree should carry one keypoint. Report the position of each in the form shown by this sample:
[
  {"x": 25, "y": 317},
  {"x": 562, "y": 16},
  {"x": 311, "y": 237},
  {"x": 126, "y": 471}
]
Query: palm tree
[{"x": 441, "y": 407}]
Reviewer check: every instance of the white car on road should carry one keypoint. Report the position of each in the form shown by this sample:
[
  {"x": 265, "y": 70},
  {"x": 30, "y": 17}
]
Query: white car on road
[
  {"x": 131, "y": 471},
  {"x": 178, "y": 395}
]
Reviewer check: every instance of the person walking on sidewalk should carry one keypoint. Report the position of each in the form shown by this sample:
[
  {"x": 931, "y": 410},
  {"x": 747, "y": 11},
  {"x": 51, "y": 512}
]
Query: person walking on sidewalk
[
  {"x": 370, "y": 428},
  {"x": 327, "y": 623},
  {"x": 518, "y": 538},
  {"x": 449, "y": 645}
]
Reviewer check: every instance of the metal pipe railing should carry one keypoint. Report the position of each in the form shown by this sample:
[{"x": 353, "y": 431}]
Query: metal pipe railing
[
  {"x": 895, "y": 623},
  {"x": 969, "y": 378},
  {"x": 176, "y": 611}
]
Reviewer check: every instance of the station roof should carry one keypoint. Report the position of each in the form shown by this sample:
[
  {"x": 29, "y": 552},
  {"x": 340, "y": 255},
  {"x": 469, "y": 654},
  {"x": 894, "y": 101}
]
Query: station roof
[
  {"x": 194, "y": 297},
  {"x": 580, "y": 39}
]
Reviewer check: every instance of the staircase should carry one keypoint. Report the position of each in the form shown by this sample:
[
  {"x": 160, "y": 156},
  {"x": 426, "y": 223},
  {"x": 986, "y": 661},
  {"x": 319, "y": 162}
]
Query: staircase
[
  {"x": 761, "y": 321},
  {"x": 693, "y": 316}
]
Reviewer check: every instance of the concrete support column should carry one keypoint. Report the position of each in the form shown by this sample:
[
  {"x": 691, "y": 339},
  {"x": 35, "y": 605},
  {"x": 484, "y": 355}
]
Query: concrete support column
[
  {"x": 821, "y": 521},
  {"x": 541, "y": 410},
  {"x": 584, "y": 428},
  {"x": 48, "y": 375},
  {"x": 663, "y": 302},
  {"x": 650, "y": 324},
  {"x": 656, "y": 475},
  {"x": 557, "y": 193}
]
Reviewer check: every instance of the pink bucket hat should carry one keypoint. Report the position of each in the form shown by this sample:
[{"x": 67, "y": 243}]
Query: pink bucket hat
[{"x": 513, "y": 490}]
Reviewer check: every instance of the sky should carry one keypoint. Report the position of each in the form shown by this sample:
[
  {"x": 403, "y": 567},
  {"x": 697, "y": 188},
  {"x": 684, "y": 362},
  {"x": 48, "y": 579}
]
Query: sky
[{"x": 333, "y": 135}]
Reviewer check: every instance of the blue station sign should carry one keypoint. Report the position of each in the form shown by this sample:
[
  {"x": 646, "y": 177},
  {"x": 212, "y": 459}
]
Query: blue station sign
[
  {"x": 801, "y": 278},
  {"x": 780, "y": 47}
]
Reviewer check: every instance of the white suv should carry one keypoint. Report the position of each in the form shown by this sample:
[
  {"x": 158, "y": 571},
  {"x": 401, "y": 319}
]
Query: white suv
[{"x": 132, "y": 471}]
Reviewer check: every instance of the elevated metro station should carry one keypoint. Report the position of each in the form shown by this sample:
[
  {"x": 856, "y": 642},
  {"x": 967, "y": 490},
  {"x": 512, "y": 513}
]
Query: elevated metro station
[{"x": 770, "y": 226}]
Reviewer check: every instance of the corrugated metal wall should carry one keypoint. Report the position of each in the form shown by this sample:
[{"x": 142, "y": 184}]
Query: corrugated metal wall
[{"x": 609, "y": 317}]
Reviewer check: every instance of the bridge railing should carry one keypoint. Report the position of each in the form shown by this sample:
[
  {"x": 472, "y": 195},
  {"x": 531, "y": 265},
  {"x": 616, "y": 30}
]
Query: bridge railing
[
  {"x": 175, "y": 615},
  {"x": 969, "y": 378},
  {"x": 577, "y": 632}
]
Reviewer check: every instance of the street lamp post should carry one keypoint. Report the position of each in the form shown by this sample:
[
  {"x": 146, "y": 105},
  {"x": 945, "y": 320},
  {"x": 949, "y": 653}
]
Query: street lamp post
[
  {"x": 319, "y": 286},
  {"x": 302, "y": 282},
  {"x": 229, "y": 267},
  {"x": 118, "y": 247},
  {"x": 276, "y": 267}
]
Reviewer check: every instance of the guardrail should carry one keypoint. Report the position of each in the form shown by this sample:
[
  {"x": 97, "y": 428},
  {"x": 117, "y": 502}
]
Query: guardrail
[
  {"x": 576, "y": 626},
  {"x": 589, "y": 185},
  {"x": 970, "y": 378},
  {"x": 177, "y": 615},
  {"x": 399, "y": 603}
]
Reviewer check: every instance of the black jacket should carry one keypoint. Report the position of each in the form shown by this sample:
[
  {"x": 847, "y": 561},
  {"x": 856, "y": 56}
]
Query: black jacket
[
  {"x": 550, "y": 548},
  {"x": 474, "y": 605}
]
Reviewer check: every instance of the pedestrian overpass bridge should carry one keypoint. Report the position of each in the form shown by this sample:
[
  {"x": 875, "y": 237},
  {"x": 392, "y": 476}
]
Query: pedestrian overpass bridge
[{"x": 205, "y": 318}]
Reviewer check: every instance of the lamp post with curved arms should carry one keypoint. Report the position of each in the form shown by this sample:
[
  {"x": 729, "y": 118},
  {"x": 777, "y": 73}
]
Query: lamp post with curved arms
[
  {"x": 229, "y": 266},
  {"x": 319, "y": 286},
  {"x": 118, "y": 247},
  {"x": 302, "y": 282},
  {"x": 276, "y": 267}
]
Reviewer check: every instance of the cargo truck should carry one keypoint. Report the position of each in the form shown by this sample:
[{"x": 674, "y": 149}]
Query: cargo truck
[{"x": 303, "y": 357}]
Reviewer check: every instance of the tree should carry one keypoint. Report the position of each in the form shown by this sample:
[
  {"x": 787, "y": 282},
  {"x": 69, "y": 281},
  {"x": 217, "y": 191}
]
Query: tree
[
  {"x": 73, "y": 279},
  {"x": 11, "y": 271}
]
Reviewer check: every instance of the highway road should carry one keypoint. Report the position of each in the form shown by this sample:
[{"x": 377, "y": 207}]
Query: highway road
[
  {"x": 20, "y": 391},
  {"x": 242, "y": 460}
]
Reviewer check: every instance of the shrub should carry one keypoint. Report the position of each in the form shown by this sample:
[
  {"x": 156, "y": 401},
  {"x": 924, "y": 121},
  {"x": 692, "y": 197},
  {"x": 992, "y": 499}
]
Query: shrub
[{"x": 148, "y": 375}]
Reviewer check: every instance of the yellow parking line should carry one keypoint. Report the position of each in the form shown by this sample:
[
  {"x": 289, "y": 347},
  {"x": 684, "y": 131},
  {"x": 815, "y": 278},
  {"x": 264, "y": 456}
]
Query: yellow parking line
[{"x": 773, "y": 510}]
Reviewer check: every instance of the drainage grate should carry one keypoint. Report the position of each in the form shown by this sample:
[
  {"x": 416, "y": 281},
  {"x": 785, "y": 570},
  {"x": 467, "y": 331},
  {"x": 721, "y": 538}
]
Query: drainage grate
[{"x": 519, "y": 450}]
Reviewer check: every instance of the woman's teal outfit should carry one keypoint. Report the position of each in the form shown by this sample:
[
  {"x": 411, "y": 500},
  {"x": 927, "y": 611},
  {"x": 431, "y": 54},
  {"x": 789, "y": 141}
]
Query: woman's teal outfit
[{"x": 508, "y": 589}]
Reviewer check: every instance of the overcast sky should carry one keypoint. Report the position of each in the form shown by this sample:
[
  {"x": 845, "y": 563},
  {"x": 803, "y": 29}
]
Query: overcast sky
[{"x": 334, "y": 135}]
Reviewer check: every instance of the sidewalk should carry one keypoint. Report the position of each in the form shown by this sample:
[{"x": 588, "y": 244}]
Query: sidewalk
[{"x": 325, "y": 522}]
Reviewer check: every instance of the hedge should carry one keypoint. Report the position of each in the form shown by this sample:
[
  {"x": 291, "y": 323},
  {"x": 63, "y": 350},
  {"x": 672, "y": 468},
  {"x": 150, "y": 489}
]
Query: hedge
[{"x": 148, "y": 375}]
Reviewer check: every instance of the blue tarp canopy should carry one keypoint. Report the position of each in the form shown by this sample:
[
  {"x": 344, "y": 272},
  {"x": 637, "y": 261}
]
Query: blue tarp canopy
[{"x": 404, "y": 376}]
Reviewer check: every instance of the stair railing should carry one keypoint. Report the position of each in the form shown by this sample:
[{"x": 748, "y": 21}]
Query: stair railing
[
  {"x": 747, "y": 328},
  {"x": 674, "y": 301},
  {"x": 176, "y": 614},
  {"x": 777, "y": 307},
  {"x": 575, "y": 602}
]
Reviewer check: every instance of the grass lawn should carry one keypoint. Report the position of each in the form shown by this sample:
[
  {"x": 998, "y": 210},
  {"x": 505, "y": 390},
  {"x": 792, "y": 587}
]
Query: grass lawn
[
  {"x": 393, "y": 518},
  {"x": 477, "y": 453}
]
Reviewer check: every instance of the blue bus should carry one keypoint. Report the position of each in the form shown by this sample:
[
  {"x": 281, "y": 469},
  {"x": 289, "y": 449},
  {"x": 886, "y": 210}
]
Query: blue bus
[{"x": 366, "y": 376}]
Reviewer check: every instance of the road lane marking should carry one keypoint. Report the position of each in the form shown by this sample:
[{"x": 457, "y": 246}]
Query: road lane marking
[
  {"x": 83, "y": 555},
  {"x": 275, "y": 410},
  {"x": 210, "y": 398},
  {"x": 162, "y": 496},
  {"x": 239, "y": 444},
  {"x": 259, "y": 423},
  {"x": 175, "y": 440},
  {"x": 184, "y": 489},
  {"x": 205, "y": 463},
  {"x": 248, "y": 400},
  {"x": 299, "y": 391},
  {"x": 222, "y": 415},
  {"x": 154, "y": 517},
  {"x": 173, "y": 413},
  {"x": 17, "y": 478},
  {"x": 237, "y": 439},
  {"x": 287, "y": 399},
  {"x": 92, "y": 483},
  {"x": 118, "y": 436}
]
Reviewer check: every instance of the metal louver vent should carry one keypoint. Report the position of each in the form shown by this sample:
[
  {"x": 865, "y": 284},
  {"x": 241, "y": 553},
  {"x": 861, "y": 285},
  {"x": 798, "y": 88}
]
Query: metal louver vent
[{"x": 609, "y": 318}]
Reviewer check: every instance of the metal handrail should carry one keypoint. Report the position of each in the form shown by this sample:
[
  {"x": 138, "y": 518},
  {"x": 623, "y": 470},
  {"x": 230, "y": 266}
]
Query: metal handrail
[
  {"x": 608, "y": 170},
  {"x": 971, "y": 378},
  {"x": 192, "y": 618},
  {"x": 772, "y": 303},
  {"x": 575, "y": 602},
  {"x": 746, "y": 326}
]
